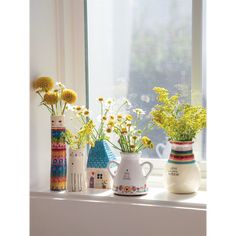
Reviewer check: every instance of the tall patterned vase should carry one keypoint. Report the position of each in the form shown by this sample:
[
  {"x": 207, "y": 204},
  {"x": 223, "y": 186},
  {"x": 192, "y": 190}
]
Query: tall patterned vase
[
  {"x": 97, "y": 173},
  {"x": 58, "y": 154},
  {"x": 77, "y": 170},
  {"x": 182, "y": 172}
]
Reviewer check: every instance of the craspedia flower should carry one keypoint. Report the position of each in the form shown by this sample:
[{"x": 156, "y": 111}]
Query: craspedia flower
[
  {"x": 43, "y": 83},
  {"x": 112, "y": 117},
  {"x": 51, "y": 98},
  {"x": 69, "y": 96},
  {"x": 134, "y": 137},
  {"x": 104, "y": 118}
]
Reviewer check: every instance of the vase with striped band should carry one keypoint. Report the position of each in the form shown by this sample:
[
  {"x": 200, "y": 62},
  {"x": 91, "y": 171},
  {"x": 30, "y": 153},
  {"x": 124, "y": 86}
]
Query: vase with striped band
[
  {"x": 182, "y": 172},
  {"x": 58, "y": 154}
]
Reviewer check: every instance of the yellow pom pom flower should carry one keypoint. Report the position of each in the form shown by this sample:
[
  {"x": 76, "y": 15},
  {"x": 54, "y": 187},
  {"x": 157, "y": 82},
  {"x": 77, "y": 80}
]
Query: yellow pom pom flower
[
  {"x": 51, "y": 98},
  {"x": 43, "y": 83},
  {"x": 69, "y": 96}
]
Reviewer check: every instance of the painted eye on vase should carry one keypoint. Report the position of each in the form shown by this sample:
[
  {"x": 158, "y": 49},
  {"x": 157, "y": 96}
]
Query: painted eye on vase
[{"x": 59, "y": 121}]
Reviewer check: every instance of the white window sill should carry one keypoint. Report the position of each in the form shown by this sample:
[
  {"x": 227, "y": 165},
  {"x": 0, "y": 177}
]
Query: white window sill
[{"x": 157, "y": 197}]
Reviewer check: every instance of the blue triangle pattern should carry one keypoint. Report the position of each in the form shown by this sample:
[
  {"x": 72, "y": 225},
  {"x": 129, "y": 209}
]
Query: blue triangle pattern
[{"x": 100, "y": 155}]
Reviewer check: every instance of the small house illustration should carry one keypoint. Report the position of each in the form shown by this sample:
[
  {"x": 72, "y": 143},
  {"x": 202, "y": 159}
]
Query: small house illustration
[{"x": 99, "y": 157}]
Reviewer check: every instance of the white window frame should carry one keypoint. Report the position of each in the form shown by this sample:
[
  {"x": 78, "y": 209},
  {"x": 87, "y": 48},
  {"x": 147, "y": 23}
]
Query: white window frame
[{"x": 73, "y": 70}]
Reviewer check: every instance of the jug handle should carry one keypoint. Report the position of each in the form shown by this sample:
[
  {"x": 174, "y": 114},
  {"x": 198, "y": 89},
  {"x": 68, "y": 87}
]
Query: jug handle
[
  {"x": 108, "y": 168},
  {"x": 162, "y": 146},
  {"x": 150, "y": 168}
]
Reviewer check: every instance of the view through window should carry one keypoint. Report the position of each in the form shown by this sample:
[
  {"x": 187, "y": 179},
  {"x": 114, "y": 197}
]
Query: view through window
[{"x": 135, "y": 45}]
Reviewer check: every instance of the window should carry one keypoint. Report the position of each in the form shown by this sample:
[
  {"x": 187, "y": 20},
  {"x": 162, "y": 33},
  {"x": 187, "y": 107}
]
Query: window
[
  {"x": 99, "y": 176},
  {"x": 134, "y": 46}
]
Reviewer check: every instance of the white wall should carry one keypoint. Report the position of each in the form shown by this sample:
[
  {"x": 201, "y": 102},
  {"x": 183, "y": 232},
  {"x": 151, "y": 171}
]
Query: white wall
[
  {"x": 42, "y": 62},
  {"x": 56, "y": 50}
]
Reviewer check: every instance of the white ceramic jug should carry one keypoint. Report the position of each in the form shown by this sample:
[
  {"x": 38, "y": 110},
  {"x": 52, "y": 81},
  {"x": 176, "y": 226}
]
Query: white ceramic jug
[
  {"x": 182, "y": 172},
  {"x": 163, "y": 149},
  {"x": 130, "y": 178}
]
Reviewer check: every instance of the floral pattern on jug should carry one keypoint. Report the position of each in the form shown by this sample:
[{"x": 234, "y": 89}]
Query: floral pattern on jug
[{"x": 129, "y": 179}]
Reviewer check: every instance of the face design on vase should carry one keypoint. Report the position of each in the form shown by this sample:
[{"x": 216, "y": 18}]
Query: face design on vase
[
  {"x": 75, "y": 161},
  {"x": 57, "y": 121}
]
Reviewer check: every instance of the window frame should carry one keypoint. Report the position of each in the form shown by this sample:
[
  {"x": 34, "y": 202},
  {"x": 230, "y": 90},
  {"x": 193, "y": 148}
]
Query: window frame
[{"x": 74, "y": 70}]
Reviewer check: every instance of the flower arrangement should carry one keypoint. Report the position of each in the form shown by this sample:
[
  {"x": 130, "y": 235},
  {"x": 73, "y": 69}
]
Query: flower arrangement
[
  {"x": 180, "y": 121},
  {"x": 54, "y": 98},
  {"x": 130, "y": 138},
  {"x": 105, "y": 119},
  {"x": 82, "y": 137}
]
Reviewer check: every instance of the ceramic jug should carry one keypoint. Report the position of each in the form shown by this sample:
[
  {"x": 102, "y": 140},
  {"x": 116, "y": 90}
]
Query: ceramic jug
[
  {"x": 130, "y": 178},
  {"x": 182, "y": 172},
  {"x": 163, "y": 149}
]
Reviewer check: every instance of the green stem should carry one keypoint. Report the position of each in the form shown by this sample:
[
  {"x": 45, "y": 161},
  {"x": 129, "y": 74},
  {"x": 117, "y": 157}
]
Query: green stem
[
  {"x": 64, "y": 108},
  {"x": 114, "y": 145}
]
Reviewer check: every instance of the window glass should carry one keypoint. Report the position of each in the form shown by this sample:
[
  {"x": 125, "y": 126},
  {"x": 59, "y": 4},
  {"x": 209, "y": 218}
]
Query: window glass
[{"x": 136, "y": 45}]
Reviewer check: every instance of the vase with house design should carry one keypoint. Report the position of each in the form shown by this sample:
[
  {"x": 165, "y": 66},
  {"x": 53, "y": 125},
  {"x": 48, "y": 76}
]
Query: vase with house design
[
  {"x": 99, "y": 157},
  {"x": 77, "y": 180},
  {"x": 58, "y": 154}
]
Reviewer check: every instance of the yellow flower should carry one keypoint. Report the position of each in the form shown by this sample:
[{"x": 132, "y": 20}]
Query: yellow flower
[
  {"x": 78, "y": 108},
  {"x": 86, "y": 112},
  {"x": 43, "y": 83},
  {"x": 112, "y": 117},
  {"x": 109, "y": 130},
  {"x": 138, "y": 111},
  {"x": 100, "y": 99},
  {"x": 147, "y": 142},
  {"x": 134, "y": 137},
  {"x": 109, "y": 101},
  {"x": 119, "y": 116},
  {"x": 50, "y": 98},
  {"x": 104, "y": 118},
  {"x": 124, "y": 131},
  {"x": 129, "y": 117},
  {"x": 111, "y": 123},
  {"x": 128, "y": 124},
  {"x": 69, "y": 96}
]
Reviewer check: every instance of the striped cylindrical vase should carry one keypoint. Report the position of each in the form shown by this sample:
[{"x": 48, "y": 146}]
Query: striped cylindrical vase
[
  {"x": 58, "y": 154},
  {"x": 182, "y": 172}
]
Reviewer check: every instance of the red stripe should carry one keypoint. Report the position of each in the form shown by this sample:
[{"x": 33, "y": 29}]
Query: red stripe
[
  {"x": 173, "y": 157},
  {"x": 181, "y": 142}
]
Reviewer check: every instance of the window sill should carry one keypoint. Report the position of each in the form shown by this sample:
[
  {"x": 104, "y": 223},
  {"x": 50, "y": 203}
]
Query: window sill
[{"x": 156, "y": 197}]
